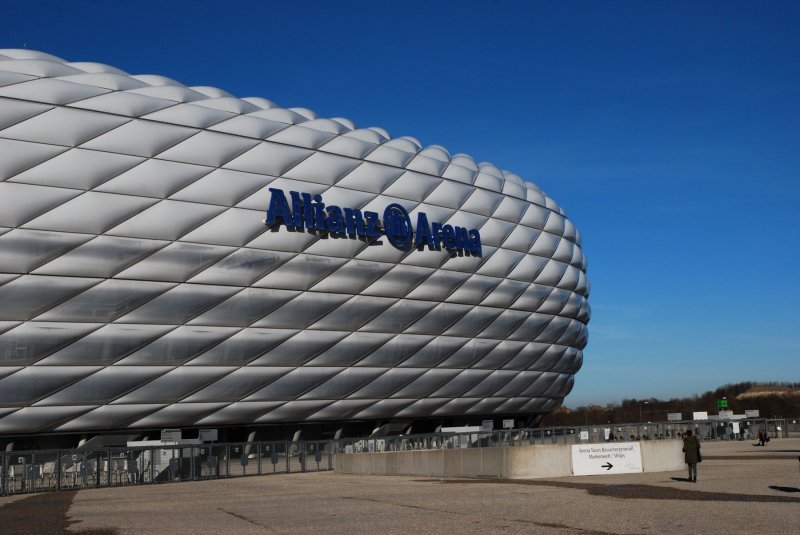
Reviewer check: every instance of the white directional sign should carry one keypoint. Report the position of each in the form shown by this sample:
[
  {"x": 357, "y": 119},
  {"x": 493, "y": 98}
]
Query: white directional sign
[
  {"x": 613, "y": 458},
  {"x": 171, "y": 435}
]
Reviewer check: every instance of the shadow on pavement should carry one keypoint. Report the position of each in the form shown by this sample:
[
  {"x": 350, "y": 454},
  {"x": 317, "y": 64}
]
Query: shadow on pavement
[
  {"x": 639, "y": 492},
  {"x": 42, "y": 514},
  {"x": 684, "y": 479},
  {"x": 784, "y": 489}
]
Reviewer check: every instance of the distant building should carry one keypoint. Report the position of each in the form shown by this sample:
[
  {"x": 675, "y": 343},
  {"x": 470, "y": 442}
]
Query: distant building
[{"x": 176, "y": 257}]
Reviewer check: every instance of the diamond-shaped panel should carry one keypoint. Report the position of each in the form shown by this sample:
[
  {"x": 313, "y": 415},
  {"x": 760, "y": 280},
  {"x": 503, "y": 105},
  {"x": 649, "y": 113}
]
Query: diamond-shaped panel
[{"x": 139, "y": 286}]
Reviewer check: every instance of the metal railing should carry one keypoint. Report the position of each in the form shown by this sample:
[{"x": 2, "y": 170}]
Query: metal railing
[
  {"x": 46, "y": 470},
  {"x": 706, "y": 429}
]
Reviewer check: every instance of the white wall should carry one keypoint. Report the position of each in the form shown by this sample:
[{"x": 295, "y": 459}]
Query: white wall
[{"x": 520, "y": 462}]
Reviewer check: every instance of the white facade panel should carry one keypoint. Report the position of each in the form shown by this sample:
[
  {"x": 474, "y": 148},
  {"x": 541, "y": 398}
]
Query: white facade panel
[{"x": 150, "y": 275}]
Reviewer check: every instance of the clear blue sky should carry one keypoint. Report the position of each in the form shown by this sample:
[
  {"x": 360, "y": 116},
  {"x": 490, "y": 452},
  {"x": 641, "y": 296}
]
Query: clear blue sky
[{"x": 668, "y": 131}]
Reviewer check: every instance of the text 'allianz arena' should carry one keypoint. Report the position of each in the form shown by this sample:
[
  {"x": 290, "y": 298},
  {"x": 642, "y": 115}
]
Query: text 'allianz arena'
[{"x": 176, "y": 257}]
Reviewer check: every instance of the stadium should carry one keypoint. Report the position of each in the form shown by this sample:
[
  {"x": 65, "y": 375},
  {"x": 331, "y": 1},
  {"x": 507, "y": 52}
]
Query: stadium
[{"x": 175, "y": 257}]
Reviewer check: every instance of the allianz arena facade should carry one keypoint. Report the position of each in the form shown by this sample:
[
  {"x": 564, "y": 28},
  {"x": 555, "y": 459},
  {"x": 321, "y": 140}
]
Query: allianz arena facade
[{"x": 176, "y": 257}]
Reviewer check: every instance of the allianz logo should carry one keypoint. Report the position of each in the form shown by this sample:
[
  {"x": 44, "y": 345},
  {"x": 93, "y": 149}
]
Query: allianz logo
[{"x": 303, "y": 211}]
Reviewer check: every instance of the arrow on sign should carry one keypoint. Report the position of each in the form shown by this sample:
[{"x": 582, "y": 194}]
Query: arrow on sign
[{"x": 607, "y": 466}]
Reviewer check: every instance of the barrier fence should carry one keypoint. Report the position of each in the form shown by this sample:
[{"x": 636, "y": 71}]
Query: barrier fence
[
  {"x": 705, "y": 429},
  {"x": 44, "y": 470},
  {"x": 49, "y": 470}
]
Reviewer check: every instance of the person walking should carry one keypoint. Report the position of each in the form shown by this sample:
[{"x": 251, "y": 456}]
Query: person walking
[{"x": 691, "y": 451}]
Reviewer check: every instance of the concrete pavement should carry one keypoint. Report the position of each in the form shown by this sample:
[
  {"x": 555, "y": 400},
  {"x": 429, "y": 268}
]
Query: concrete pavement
[{"x": 741, "y": 488}]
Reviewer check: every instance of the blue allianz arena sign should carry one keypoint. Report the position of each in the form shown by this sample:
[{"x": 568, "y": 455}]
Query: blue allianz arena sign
[{"x": 306, "y": 211}]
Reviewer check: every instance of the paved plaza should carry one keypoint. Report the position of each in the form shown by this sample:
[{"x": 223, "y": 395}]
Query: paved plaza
[{"x": 740, "y": 489}]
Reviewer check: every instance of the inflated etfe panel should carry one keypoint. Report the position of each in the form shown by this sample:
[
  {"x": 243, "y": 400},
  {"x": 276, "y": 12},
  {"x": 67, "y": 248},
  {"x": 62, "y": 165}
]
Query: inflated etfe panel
[{"x": 175, "y": 256}]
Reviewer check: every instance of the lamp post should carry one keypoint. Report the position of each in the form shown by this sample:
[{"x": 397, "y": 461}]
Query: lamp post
[{"x": 640, "y": 408}]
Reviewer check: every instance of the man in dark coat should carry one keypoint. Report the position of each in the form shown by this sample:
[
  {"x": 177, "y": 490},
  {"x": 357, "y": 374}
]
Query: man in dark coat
[{"x": 691, "y": 451}]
